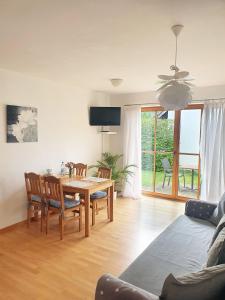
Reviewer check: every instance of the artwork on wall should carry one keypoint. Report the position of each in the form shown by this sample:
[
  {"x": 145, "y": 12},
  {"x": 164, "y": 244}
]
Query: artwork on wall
[{"x": 21, "y": 124}]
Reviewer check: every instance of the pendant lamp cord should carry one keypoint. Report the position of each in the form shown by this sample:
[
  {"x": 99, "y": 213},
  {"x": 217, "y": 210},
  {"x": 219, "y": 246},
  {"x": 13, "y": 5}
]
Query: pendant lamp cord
[{"x": 176, "y": 54}]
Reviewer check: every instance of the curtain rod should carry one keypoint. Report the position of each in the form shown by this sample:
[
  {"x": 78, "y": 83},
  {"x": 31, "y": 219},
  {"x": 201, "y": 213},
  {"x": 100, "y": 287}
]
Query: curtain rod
[{"x": 193, "y": 101}]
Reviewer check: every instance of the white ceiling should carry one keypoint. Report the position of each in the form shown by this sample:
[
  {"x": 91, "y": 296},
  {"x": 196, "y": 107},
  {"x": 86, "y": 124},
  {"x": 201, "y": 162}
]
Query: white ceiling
[{"x": 86, "y": 42}]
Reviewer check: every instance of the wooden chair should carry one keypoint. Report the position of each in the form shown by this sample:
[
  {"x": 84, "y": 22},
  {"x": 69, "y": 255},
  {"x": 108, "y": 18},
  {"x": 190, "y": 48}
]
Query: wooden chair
[
  {"x": 35, "y": 196},
  {"x": 58, "y": 204},
  {"x": 80, "y": 169},
  {"x": 168, "y": 172},
  {"x": 100, "y": 199}
]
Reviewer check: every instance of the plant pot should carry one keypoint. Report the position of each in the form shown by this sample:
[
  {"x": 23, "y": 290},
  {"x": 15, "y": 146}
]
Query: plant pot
[{"x": 114, "y": 195}]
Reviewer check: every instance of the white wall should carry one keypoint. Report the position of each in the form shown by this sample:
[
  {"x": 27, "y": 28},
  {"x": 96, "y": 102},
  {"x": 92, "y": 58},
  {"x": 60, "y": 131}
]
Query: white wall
[
  {"x": 200, "y": 93},
  {"x": 64, "y": 134}
]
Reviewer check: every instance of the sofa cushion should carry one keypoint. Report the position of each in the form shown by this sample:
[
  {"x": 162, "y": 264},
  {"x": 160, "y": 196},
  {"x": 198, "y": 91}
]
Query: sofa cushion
[
  {"x": 219, "y": 227},
  {"x": 219, "y": 211},
  {"x": 112, "y": 288},
  {"x": 181, "y": 248},
  {"x": 199, "y": 209},
  {"x": 206, "y": 284},
  {"x": 216, "y": 253}
]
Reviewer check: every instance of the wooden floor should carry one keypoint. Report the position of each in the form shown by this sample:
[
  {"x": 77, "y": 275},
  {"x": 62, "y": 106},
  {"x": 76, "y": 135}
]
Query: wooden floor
[{"x": 33, "y": 266}]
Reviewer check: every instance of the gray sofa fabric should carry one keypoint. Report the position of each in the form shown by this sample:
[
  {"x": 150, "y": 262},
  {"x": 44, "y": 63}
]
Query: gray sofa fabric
[
  {"x": 219, "y": 227},
  {"x": 219, "y": 212},
  {"x": 216, "y": 254},
  {"x": 200, "y": 209},
  {"x": 111, "y": 288},
  {"x": 207, "y": 284},
  {"x": 181, "y": 248}
]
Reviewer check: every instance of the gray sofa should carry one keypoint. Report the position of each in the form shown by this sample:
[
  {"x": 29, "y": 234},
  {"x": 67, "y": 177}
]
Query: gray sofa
[{"x": 181, "y": 248}]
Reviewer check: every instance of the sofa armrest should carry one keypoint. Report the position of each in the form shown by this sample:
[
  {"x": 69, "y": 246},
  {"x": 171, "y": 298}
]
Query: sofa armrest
[
  {"x": 112, "y": 288},
  {"x": 199, "y": 209}
]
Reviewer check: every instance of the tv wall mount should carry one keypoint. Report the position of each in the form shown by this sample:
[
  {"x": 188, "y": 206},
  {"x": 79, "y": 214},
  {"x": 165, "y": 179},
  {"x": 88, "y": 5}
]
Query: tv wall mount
[{"x": 103, "y": 130}]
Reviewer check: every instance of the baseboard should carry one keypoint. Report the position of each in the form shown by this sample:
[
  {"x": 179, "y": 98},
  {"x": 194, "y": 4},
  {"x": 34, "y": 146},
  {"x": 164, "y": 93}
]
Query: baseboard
[
  {"x": 166, "y": 197},
  {"x": 13, "y": 226}
]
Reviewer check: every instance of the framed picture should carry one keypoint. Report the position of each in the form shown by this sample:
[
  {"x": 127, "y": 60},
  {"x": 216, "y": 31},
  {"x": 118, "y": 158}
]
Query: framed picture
[{"x": 21, "y": 124}]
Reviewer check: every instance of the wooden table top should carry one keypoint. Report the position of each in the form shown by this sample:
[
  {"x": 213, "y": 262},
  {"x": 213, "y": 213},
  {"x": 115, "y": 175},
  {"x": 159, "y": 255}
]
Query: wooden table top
[{"x": 80, "y": 183}]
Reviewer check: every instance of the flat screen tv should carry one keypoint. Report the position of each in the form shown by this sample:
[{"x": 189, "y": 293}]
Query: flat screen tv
[{"x": 105, "y": 116}]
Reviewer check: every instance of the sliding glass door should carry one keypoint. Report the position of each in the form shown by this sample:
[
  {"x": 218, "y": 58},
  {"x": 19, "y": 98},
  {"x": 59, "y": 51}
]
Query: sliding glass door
[
  {"x": 170, "y": 152},
  {"x": 189, "y": 158}
]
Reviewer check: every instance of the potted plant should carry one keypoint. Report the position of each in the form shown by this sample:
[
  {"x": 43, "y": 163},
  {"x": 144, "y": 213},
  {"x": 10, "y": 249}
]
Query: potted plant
[{"x": 119, "y": 174}]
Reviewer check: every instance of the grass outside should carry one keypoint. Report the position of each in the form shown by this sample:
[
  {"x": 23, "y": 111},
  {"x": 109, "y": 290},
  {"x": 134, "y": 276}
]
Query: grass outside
[{"x": 147, "y": 182}]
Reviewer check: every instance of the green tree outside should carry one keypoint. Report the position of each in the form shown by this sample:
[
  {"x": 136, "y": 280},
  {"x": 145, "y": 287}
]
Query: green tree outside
[{"x": 164, "y": 139}]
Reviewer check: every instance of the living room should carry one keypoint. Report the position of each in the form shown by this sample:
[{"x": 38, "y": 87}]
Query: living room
[{"x": 111, "y": 149}]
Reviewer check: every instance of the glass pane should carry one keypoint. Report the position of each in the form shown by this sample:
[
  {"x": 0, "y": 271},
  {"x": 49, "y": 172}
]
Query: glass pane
[
  {"x": 147, "y": 171},
  {"x": 165, "y": 131},
  {"x": 164, "y": 172},
  {"x": 147, "y": 141},
  {"x": 188, "y": 176},
  {"x": 190, "y": 130},
  {"x": 147, "y": 130}
]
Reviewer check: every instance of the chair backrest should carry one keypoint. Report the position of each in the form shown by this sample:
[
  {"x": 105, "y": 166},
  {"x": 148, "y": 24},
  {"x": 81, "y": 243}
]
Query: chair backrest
[
  {"x": 33, "y": 185},
  {"x": 54, "y": 189},
  {"x": 166, "y": 164},
  {"x": 80, "y": 169},
  {"x": 104, "y": 173}
]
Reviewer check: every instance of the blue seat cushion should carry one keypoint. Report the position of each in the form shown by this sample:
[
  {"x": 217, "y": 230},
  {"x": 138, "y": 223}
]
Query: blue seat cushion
[
  {"x": 67, "y": 203},
  {"x": 98, "y": 195},
  {"x": 36, "y": 198}
]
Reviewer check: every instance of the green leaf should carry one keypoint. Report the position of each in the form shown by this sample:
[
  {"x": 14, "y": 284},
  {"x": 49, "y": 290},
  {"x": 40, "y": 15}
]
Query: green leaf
[{"x": 112, "y": 161}]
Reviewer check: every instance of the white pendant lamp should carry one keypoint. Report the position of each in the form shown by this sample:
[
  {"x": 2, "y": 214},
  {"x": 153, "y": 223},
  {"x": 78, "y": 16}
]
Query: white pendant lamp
[{"x": 175, "y": 92}]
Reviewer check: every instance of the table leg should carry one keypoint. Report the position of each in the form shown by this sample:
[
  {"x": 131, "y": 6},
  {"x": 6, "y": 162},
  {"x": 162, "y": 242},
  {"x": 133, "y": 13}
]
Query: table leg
[
  {"x": 87, "y": 214},
  {"x": 192, "y": 179},
  {"x": 111, "y": 202}
]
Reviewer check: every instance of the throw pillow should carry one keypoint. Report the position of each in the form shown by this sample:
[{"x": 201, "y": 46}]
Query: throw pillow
[
  {"x": 216, "y": 254},
  {"x": 112, "y": 288},
  {"x": 219, "y": 211},
  {"x": 207, "y": 284},
  {"x": 219, "y": 227}
]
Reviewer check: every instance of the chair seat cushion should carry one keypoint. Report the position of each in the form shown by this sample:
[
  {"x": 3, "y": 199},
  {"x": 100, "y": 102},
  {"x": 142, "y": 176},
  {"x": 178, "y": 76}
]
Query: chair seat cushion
[
  {"x": 67, "y": 203},
  {"x": 35, "y": 198},
  {"x": 98, "y": 195}
]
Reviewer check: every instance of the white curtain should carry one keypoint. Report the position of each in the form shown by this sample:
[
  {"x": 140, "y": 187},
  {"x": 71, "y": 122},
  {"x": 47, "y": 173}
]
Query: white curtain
[
  {"x": 212, "y": 151},
  {"x": 132, "y": 150}
]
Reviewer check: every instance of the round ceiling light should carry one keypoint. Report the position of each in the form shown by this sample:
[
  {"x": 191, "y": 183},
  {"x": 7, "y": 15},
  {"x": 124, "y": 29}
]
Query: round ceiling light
[
  {"x": 175, "y": 96},
  {"x": 116, "y": 81}
]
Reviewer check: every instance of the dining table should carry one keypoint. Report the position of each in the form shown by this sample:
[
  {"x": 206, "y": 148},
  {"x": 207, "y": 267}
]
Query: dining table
[
  {"x": 192, "y": 168},
  {"x": 86, "y": 186}
]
